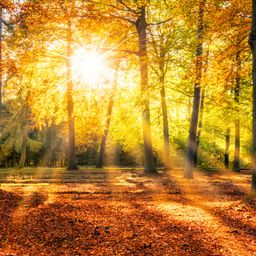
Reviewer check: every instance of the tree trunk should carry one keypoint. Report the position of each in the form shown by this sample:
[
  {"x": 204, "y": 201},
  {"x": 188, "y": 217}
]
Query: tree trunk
[
  {"x": 226, "y": 158},
  {"x": 23, "y": 155},
  {"x": 252, "y": 42},
  {"x": 191, "y": 144},
  {"x": 100, "y": 162},
  {"x": 200, "y": 125},
  {"x": 189, "y": 107},
  {"x": 1, "y": 61},
  {"x": 167, "y": 154},
  {"x": 70, "y": 104},
  {"x": 24, "y": 134},
  {"x": 236, "y": 163},
  {"x": 201, "y": 113},
  {"x": 47, "y": 158},
  {"x": 141, "y": 27}
]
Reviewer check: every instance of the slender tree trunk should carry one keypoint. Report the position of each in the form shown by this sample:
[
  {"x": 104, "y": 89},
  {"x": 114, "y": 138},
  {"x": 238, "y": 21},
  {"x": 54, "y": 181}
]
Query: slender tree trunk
[
  {"x": 24, "y": 145},
  {"x": 1, "y": 61},
  {"x": 47, "y": 158},
  {"x": 23, "y": 153},
  {"x": 191, "y": 145},
  {"x": 226, "y": 157},
  {"x": 201, "y": 113},
  {"x": 70, "y": 104},
  {"x": 100, "y": 162},
  {"x": 167, "y": 154},
  {"x": 236, "y": 163},
  {"x": 200, "y": 125},
  {"x": 141, "y": 26},
  {"x": 189, "y": 107},
  {"x": 252, "y": 42}
]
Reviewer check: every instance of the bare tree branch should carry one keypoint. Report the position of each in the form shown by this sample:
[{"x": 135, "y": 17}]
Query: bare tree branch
[
  {"x": 126, "y": 6},
  {"x": 123, "y": 18}
]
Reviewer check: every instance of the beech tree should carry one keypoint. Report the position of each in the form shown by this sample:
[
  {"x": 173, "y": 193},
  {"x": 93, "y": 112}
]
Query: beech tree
[
  {"x": 137, "y": 17},
  {"x": 191, "y": 144},
  {"x": 236, "y": 162},
  {"x": 162, "y": 44}
]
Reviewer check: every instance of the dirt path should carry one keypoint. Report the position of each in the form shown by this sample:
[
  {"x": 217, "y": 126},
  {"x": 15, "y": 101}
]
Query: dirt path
[
  {"x": 125, "y": 213},
  {"x": 205, "y": 206}
]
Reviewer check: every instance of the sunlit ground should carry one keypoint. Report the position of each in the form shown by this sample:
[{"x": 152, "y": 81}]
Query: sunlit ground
[{"x": 123, "y": 212}]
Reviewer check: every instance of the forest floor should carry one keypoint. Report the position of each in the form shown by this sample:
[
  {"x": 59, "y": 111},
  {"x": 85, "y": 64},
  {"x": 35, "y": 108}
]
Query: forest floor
[{"x": 123, "y": 212}]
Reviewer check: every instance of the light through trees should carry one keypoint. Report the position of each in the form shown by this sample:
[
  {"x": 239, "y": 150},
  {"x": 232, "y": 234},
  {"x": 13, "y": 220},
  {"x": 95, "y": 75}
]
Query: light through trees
[
  {"x": 65, "y": 52},
  {"x": 90, "y": 67}
]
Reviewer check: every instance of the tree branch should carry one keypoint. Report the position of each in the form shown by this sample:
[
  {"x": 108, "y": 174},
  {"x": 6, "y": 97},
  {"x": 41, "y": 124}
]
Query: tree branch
[
  {"x": 123, "y": 18},
  {"x": 126, "y": 6},
  {"x": 158, "y": 23}
]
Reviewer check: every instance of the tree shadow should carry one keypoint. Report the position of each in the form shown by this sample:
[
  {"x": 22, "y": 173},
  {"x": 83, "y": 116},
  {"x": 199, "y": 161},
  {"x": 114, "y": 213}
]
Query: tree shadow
[
  {"x": 9, "y": 202},
  {"x": 229, "y": 216},
  {"x": 114, "y": 219},
  {"x": 93, "y": 228}
]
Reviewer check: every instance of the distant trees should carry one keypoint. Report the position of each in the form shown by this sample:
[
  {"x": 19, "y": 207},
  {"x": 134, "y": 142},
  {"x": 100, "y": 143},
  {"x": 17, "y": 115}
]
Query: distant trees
[{"x": 164, "y": 70}]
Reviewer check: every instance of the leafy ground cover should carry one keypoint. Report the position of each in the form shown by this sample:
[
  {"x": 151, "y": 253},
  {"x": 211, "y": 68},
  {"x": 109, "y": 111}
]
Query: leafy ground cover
[{"x": 123, "y": 212}]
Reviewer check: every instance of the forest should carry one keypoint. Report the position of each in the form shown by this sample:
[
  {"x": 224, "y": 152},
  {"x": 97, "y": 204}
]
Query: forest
[{"x": 131, "y": 123}]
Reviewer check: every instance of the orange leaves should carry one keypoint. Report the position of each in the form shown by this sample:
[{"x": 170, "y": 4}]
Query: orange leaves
[{"x": 124, "y": 213}]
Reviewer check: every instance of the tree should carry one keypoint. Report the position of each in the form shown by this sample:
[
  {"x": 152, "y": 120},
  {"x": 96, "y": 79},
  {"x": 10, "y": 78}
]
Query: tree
[
  {"x": 200, "y": 125},
  {"x": 252, "y": 42},
  {"x": 135, "y": 13},
  {"x": 161, "y": 42},
  {"x": 141, "y": 27},
  {"x": 226, "y": 156},
  {"x": 191, "y": 144},
  {"x": 70, "y": 103},
  {"x": 100, "y": 161},
  {"x": 236, "y": 163},
  {"x": 201, "y": 113},
  {"x": 1, "y": 59}
]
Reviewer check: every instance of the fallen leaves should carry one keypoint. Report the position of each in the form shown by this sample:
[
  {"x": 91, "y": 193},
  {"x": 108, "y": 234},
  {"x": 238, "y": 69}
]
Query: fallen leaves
[{"x": 119, "y": 219}]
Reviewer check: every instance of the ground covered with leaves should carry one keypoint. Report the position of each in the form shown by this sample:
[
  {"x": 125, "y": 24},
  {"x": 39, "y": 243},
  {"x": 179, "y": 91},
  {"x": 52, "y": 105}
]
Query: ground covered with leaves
[{"x": 123, "y": 212}]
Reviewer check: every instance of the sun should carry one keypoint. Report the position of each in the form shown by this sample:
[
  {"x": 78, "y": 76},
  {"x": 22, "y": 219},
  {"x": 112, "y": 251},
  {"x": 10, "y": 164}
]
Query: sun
[{"x": 88, "y": 67}]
